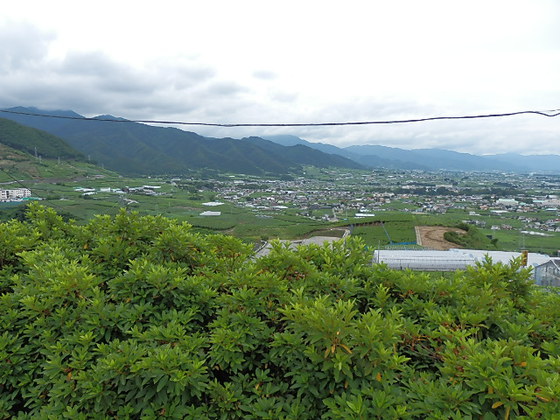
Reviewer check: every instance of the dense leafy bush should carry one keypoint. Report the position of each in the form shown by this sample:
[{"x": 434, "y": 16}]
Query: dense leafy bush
[
  {"x": 138, "y": 317},
  {"x": 471, "y": 238}
]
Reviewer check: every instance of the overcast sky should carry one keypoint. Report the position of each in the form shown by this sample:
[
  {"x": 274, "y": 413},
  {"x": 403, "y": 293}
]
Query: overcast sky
[{"x": 296, "y": 61}]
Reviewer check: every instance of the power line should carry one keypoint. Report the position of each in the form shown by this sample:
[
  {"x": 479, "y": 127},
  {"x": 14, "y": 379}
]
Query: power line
[
  {"x": 19, "y": 182},
  {"x": 14, "y": 179},
  {"x": 549, "y": 113}
]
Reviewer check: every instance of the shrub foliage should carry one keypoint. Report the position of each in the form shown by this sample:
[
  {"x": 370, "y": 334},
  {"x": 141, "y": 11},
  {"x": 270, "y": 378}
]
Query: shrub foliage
[
  {"x": 138, "y": 317},
  {"x": 471, "y": 238}
]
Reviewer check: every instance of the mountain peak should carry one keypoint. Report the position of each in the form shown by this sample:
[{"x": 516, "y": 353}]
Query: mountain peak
[
  {"x": 37, "y": 111},
  {"x": 108, "y": 117}
]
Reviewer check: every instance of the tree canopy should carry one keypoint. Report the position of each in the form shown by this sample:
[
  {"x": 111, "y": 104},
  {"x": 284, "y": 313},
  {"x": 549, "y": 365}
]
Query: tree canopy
[{"x": 138, "y": 317}]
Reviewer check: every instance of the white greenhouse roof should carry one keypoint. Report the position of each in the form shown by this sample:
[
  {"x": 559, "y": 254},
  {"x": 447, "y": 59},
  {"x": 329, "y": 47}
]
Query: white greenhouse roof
[
  {"x": 211, "y": 213},
  {"x": 423, "y": 260},
  {"x": 454, "y": 259},
  {"x": 533, "y": 259}
]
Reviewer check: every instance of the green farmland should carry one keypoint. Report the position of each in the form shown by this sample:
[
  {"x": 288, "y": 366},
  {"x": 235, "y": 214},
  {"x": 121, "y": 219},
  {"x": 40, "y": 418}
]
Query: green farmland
[{"x": 242, "y": 216}]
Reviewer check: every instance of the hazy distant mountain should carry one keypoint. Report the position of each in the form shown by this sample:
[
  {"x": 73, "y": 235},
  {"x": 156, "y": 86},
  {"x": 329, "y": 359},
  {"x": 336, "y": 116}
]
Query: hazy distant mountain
[
  {"x": 135, "y": 148},
  {"x": 288, "y": 140},
  {"x": 369, "y": 159},
  {"x": 537, "y": 163},
  {"x": 432, "y": 159},
  {"x": 436, "y": 159},
  {"x": 372, "y": 158},
  {"x": 376, "y": 156},
  {"x": 303, "y": 152}
]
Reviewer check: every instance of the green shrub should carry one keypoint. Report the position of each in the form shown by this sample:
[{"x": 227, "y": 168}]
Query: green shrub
[
  {"x": 472, "y": 238},
  {"x": 139, "y": 317}
]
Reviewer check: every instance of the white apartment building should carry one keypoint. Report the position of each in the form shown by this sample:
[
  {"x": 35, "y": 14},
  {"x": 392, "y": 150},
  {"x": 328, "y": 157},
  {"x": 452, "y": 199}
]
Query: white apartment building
[{"x": 15, "y": 194}]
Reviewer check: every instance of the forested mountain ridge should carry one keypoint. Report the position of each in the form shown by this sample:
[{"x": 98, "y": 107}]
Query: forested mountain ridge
[
  {"x": 131, "y": 316},
  {"x": 134, "y": 148},
  {"x": 35, "y": 142}
]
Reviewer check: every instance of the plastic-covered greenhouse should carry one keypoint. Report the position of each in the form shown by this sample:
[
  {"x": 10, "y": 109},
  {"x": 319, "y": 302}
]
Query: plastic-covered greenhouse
[
  {"x": 422, "y": 260},
  {"x": 454, "y": 259}
]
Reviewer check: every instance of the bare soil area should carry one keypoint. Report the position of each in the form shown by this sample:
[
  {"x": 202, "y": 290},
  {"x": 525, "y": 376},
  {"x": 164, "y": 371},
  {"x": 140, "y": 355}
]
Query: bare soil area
[{"x": 432, "y": 237}]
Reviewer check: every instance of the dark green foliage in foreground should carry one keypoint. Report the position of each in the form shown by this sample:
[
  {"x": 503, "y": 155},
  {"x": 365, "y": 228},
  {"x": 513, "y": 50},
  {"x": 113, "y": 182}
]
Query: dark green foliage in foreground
[{"x": 131, "y": 317}]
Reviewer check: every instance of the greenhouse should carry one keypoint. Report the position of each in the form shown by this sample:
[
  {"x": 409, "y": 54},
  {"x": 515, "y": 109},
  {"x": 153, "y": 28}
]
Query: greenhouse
[
  {"x": 454, "y": 259},
  {"x": 423, "y": 260}
]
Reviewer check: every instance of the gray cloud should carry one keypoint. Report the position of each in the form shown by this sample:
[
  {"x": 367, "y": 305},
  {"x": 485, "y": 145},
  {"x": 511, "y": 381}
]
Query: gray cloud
[
  {"x": 264, "y": 75},
  {"x": 94, "y": 64},
  {"x": 22, "y": 45},
  {"x": 93, "y": 83},
  {"x": 284, "y": 97},
  {"x": 224, "y": 88}
]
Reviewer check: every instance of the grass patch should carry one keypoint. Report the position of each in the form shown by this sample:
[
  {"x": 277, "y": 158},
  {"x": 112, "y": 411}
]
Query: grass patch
[{"x": 472, "y": 238}]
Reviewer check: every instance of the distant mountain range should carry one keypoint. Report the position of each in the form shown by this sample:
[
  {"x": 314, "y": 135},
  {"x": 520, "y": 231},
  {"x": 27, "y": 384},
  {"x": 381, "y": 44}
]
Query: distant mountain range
[
  {"x": 134, "y": 148},
  {"x": 373, "y": 156}
]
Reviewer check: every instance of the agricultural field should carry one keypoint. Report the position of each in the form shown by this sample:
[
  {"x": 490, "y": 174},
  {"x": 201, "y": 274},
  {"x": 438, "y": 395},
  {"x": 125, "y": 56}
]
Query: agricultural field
[{"x": 256, "y": 209}]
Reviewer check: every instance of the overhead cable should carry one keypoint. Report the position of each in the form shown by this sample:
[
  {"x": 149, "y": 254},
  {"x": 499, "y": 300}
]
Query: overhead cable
[{"x": 550, "y": 114}]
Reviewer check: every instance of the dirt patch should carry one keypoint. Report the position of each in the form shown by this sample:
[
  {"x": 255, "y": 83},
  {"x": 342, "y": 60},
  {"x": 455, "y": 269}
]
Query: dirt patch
[
  {"x": 432, "y": 237},
  {"x": 334, "y": 232}
]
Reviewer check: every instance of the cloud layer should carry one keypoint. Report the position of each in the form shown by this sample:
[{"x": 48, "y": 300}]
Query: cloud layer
[{"x": 366, "y": 62}]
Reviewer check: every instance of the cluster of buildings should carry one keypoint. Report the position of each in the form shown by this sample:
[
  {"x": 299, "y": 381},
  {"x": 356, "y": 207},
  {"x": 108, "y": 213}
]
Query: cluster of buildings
[
  {"x": 310, "y": 197},
  {"x": 340, "y": 195},
  {"x": 145, "y": 190},
  {"x": 16, "y": 194}
]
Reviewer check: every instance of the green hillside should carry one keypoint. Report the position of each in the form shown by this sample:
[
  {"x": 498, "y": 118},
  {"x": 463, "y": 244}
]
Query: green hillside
[
  {"x": 18, "y": 165},
  {"x": 28, "y": 153},
  {"x": 35, "y": 142},
  {"x": 140, "y": 149},
  {"x": 133, "y": 317}
]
